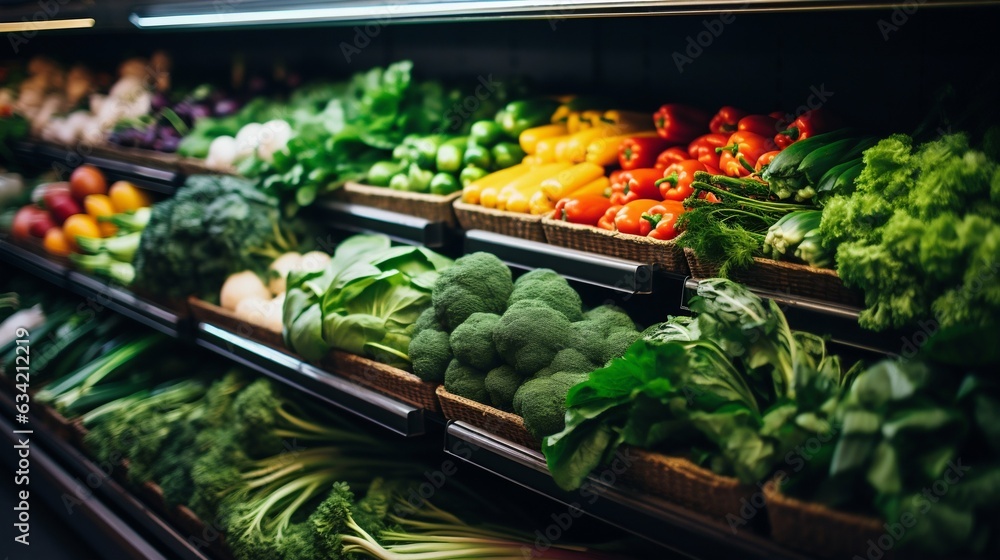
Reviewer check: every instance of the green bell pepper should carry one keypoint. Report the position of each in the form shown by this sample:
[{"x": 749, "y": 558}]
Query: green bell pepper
[
  {"x": 449, "y": 155},
  {"x": 519, "y": 116},
  {"x": 478, "y": 156},
  {"x": 485, "y": 133},
  {"x": 420, "y": 179},
  {"x": 426, "y": 149},
  {"x": 399, "y": 182},
  {"x": 444, "y": 183},
  {"x": 506, "y": 154},
  {"x": 470, "y": 174},
  {"x": 381, "y": 172}
]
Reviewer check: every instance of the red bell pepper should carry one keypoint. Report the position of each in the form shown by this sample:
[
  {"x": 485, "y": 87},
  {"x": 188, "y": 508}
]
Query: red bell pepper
[
  {"x": 765, "y": 159},
  {"x": 662, "y": 220},
  {"x": 669, "y": 157},
  {"x": 680, "y": 124},
  {"x": 743, "y": 148},
  {"x": 725, "y": 121},
  {"x": 634, "y": 153},
  {"x": 584, "y": 209},
  {"x": 676, "y": 181},
  {"x": 636, "y": 184},
  {"x": 629, "y": 217},
  {"x": 810, "y": 123},
  {"x": 607, "y": 221},
  {"x": 765, "y": 125},
  {"x": 703, "y": 148},
  {"x": 615, "y": 176}
]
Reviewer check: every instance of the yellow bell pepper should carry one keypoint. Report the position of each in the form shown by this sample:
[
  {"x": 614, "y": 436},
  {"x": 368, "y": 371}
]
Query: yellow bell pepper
[
  {"x": 529, "y": 138},
  {"x": 515, "y": 195},
  {"x": 566, "y": 181},
  {"x": 604, "y": 151},
  {"x": 473, "y": 191}
]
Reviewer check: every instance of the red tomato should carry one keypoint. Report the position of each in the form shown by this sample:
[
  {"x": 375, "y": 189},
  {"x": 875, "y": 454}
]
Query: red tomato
[{"x": 85, "y": 180}]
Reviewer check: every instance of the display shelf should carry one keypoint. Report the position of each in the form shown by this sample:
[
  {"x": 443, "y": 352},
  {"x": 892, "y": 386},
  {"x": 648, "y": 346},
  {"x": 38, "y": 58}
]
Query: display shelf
[
  {"x": 154, "y": 176},
  {"x": 34, "y": 264},
  {"x": 365, "y": 219},
  {"x": 838, "y": 321},
  {"x": 614, "y": 274},
  {"x": 128, "y": 304},
  {"x": 668, "y": 525},
  {"x": 374, "y": 407},
  {"x": 111, "y": 520},
  {"x": 265, "y": 12}
]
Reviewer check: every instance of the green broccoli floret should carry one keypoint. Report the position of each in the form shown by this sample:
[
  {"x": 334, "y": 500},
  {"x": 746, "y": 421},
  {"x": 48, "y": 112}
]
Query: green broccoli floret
[
  {"x": 590, "y": 339},
  {"x": 430, "y": 354},
  {"x": 472, "y": 341},
  {"x": 427, "y": 321},
  {"x": 618, "y": 343},
  {"x": 501, "y": 384},
  {"x": 542, "y": 402},
  {"x": 464, "y": 381},
  {"x": 478, "y": 282},
  {"x": 546, "y": 285},
  {"x": 568, "y": 360},
  {"x": 531, "y": 334},
  {"x": 612, "y": 316}
]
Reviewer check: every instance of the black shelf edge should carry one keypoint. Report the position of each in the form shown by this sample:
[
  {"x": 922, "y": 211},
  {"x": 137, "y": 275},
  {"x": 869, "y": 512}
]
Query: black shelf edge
[
  {"x": 607, "y": 272},
  {"x": 374, "y": 407},
  {"x": 126, "y": 303},
  {"x": 670, "y": 526},
  {"x": 838, "y": 321},
  {"x": 34, "y": 264},
  {"x": 365, "y": 219},
  {"x": 106, "y": 530}
]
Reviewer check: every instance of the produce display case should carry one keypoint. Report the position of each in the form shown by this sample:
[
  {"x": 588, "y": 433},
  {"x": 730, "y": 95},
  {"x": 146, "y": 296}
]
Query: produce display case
[{"x": 794, "y": 54}]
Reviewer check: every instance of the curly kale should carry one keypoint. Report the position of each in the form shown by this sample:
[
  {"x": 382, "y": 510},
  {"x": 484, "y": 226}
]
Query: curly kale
[{"x": 212, "y": 227}]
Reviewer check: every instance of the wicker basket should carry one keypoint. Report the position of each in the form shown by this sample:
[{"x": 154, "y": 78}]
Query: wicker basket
[
  {"x": 431, "y": 207},
  {"x": 646, "y": 250},
  {"x": 396, "y": 383},
  {"x": 678, "y": 480},
  {"x": 817, "y": 529},
  {"x": 784, "y": 278},
  {"x": 503, "y": 424},
  {"x": 525, "y": 226},
  {"x": 205, "y": 312},
  {"x": 385, "y": 379}
]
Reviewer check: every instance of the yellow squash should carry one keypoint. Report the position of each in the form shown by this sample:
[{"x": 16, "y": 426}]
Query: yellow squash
[
  {"x": 604, "y": 151},
  {"x": 530, "y": 137},
  {"x": 515, "y": 195},
  {"x": 473, "y": 191},
  {"x": 566, "y": 181}
]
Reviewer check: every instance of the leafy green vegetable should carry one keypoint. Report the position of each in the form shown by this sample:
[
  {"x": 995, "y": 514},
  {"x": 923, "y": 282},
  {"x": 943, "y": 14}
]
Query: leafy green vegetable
[{"x": 921, "y": 234}]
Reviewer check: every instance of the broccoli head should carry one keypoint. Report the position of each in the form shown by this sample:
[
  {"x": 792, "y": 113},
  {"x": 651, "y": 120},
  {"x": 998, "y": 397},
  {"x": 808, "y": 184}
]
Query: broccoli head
[
  {"x": 542, "y": 402},
  {"x": 464, "y": 381},
  {"x": 611, "y": 316},
  {"x": 568, "y": 360},
  {"x": 477, "y": 282},
  {"x": 427, "y": 321},
  {"x": 430, "y": 354},
  {"x": 501, "y": 384},
  {"x": 590, "y": 339},
  {"x": 618, "y": 342},
  {"x": 472, "y": 341},
  {"x": 546, "y": 285},
  {"x": 530, "y": 335}
]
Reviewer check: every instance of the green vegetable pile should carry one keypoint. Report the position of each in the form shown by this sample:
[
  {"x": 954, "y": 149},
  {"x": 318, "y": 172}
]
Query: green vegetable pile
[
  {"x": 365, "y": 302},
  {"x": 443, "y": 164},
  {"x": 214, "y": 226},
  {"x": 733, "y": 388},
  {"x": 518, "y": 346},
  {"x": 920, "y": 448},
  {"x": 921, "y": 234}
]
